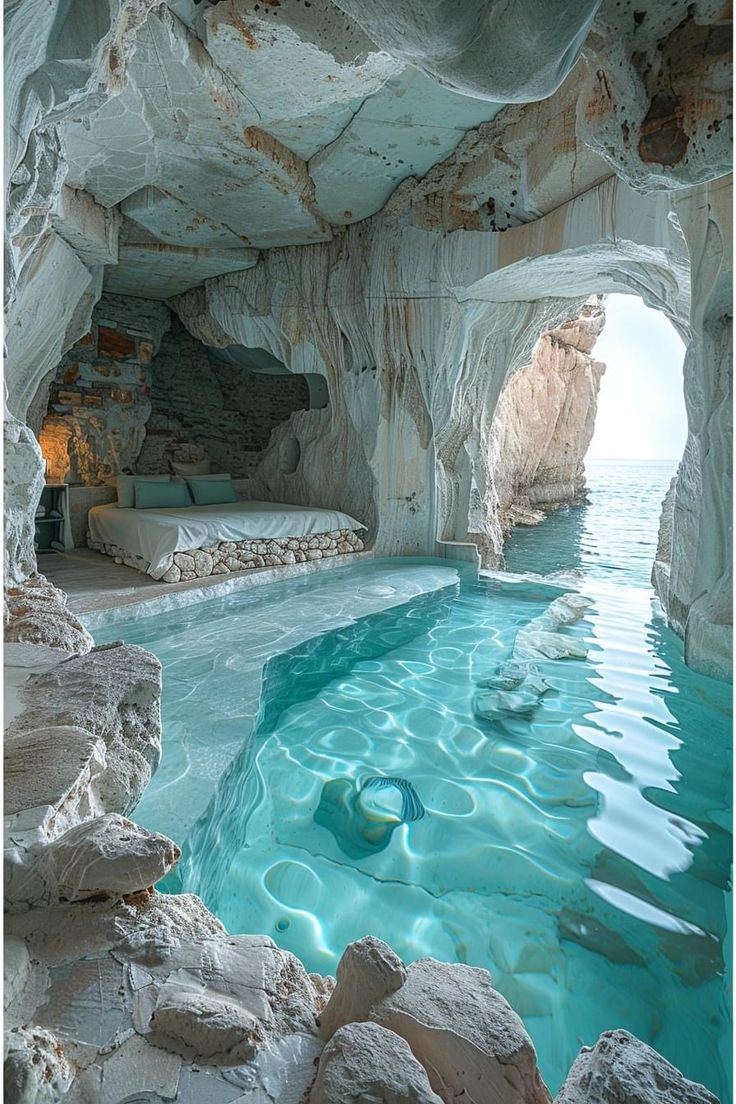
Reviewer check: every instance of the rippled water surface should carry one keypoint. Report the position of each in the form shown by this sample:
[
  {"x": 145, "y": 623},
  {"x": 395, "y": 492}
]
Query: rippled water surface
[{"x": 579, "y": 851}]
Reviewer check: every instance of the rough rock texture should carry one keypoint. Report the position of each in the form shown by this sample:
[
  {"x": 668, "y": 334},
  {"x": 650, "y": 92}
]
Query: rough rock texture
[
  {"x": 23, "y": 480},
  {"x": 468, "y": 1038},
  {"x": 108, "y": 856},
  {"x": 543, "y": 425},
  {"x": 482, "y": 50},
  {"x": 36, "y": 616},
  {"x": 620, "y": 1067},
  {"x": 134, "y": 389},
  {"x": 136, "y": 988},
  {"x": 55, "y": 767},
  {"x": 654, "y": 101},
  {"x": 699, "y": 597},
  {"x": 113, "y": 693},
  {"x": 367, "y": 972},
  {"x": 663, "y": 558},
  {"x": 413, "y": 329},
  {"x": 366, "y": 1062},
  {"x": 36, "y": 1069},
  {"x": 227, "y": 556}
]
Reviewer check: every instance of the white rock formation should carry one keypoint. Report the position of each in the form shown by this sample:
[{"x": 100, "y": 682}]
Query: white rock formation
[
  {"x": 22, "y": 482},
  {"x": 470, "y": 1041},
  {"x": 364, "y": 1062},
  {"x": 663, "y": 558},
  {"x": 367, "y": 972},
  {"x": 108, "y": 856},
  {"x": 38, "y": 624},
  {"x": 54, "y": 767},
  {"x": 620, "y": 1067},
  {"x": 36, "y": 1069},
  {"x": 113, "y": 693},
  {"x": 542, "y": 427},
  {"x": 484, "y": 49}
]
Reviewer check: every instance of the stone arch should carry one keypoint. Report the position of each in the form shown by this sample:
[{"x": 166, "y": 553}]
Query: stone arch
[{"x": 450, "y": 317}]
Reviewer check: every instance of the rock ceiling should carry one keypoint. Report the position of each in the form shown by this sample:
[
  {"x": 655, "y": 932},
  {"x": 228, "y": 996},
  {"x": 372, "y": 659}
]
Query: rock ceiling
[{"x": 244, "y": 126}]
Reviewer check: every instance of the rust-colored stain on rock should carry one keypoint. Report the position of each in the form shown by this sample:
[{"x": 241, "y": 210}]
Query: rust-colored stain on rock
[
  {"x": 114, "y": 343},
  {"x": 663, "y": 139}
]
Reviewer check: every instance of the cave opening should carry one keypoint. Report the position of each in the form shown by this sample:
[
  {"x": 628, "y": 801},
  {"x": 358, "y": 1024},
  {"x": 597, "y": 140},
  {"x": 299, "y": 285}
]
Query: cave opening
[{"x": 588, "y": 437}]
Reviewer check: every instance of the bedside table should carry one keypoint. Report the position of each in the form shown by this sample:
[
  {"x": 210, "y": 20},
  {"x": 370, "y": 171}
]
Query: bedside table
[{"x": 53, "y": 525}]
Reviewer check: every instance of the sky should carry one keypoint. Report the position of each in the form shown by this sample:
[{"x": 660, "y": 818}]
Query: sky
[{"x": 641, "y": 410}]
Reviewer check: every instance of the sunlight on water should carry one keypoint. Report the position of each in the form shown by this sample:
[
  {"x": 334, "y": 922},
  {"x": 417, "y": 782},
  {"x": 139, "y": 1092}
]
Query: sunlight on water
[{"x": 580, "y": 851}]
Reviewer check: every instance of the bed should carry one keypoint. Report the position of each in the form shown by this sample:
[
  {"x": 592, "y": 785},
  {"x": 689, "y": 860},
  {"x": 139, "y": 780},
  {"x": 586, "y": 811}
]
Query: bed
[{"x": 182, "y": 543}]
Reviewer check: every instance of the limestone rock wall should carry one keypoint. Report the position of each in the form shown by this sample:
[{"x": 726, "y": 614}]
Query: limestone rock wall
[
  {"x": 543, "y": 425},
  {"x": 698, "y": 598}
]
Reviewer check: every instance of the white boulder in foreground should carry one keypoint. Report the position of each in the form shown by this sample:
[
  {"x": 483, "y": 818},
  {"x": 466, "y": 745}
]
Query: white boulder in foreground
[
  {"x": 55, "y": 767},
  {"x": 472, "y": 1044},
  {"x": 109, "y": 856},
  {"x": 367, "y": 972},
  {"x": 365, "y": 1062},
  {"x": 38, "y": 623},
  {"x": 620, "y": 1069},
  {"x": 113, "y": 693},
  {"x": 36, "y": 1069}
]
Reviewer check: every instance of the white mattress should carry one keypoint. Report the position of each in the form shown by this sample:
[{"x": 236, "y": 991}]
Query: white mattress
[{"x": 155, "y": 534}]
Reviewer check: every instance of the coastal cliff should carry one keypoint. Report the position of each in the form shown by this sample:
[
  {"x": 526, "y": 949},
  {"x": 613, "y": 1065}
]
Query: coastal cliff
[{"x": 543, "y": 426}]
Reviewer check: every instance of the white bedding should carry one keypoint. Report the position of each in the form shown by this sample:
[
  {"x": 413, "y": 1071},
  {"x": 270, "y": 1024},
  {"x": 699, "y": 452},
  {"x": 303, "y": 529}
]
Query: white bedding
[{"x": 155, "y": 535}]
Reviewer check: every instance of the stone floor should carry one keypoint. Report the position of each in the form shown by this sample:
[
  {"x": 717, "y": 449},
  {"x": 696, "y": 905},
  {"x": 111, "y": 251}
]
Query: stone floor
[{"x": 94, "y": 582}]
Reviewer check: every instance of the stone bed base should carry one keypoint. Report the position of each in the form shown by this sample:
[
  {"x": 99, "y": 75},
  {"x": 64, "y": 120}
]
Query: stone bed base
[{"x": 228, "y": 556}]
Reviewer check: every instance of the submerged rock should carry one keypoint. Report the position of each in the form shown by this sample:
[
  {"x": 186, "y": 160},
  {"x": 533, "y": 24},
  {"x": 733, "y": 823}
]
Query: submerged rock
[
  {"x": 588, "y": 932},
  {"x": 533, "y": 642},
  {"x": 363, "y": 819}
]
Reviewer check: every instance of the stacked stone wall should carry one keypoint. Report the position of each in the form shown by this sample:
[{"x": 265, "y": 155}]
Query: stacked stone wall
[
  {"x": 227, "y": 556},
  {"x": 225, "y": 409}
]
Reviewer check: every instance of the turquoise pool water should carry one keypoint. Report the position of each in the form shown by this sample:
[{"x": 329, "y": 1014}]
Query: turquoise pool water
[{"x": 580, "y": 851}]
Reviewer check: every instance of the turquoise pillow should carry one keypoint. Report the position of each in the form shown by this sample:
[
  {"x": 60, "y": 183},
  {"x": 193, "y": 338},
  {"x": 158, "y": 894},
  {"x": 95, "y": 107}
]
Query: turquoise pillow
[
  {"x": 126, "y": 487},
  {"x": 211, "y": 492},
  {"x": 161, "y": 496}
]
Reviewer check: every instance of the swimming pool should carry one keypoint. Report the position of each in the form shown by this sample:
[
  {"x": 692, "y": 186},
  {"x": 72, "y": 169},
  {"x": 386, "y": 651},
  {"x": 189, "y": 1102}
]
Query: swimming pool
[{"x": 578, "y": 849}]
